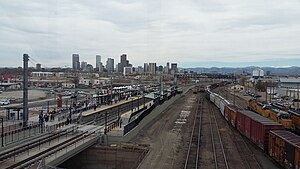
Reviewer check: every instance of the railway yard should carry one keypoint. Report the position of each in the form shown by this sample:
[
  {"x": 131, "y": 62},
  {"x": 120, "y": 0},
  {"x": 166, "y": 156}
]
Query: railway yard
[
  {"x": 195, "y": 135},
  {"x": 199, "y": 129}
]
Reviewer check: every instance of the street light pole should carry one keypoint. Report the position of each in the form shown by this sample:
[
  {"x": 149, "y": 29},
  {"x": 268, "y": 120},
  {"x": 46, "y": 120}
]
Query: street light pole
[
  {"x": 234, "y": 95},
  {"x": 111, "y": 87}
]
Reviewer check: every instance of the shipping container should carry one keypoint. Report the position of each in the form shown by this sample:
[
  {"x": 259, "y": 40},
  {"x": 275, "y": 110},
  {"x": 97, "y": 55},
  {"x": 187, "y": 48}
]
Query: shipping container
[
  {"x": 256, "y": 127},
  {"x": 284, "y": 147}
]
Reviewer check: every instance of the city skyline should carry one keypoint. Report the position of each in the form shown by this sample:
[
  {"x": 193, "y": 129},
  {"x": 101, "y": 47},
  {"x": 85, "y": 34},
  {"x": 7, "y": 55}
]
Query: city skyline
[{"x": 192, "y": 34}]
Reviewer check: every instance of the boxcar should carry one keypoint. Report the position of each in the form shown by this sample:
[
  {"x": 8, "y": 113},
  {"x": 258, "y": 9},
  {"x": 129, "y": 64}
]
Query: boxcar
[
  {"x": 217, "y": 100},
  {"x": 223, "y": 104},
  {"x": 284, "y": 147},
  {"x": 212, "y": 97},
  {"x": 295, "y": 116},
  {"x": 256, "y": 127},
  {"x": 230, "y": 114}
]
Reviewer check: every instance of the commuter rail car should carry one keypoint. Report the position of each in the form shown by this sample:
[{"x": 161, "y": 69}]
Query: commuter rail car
[
  {"x": 270, "y": 136},
  {"x": 270, "y": 112}
]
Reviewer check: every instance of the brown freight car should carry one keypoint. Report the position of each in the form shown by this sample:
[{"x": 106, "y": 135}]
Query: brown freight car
[
  {"x": 256, "y": 127},
  {"x": 230, "y": 114},
  {"x": 284, "y": 147}
]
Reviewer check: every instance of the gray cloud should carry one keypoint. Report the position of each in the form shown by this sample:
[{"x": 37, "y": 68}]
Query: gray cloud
[{"x": 170, "y": 30}]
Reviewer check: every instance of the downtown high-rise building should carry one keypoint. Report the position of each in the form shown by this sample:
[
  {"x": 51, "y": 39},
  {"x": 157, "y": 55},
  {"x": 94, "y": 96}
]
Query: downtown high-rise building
[
  {"x": 110, "y": 65},
  {"x": 75, "y": 62},
  {"x": 123, "y": 63},
  {"x": 167, "y": 68},
  {"x": 83, "y": 65},
  {"x": 152, "y": 68},
  {"x": 146, "y": 67},
  {"x": 98, "y": 61},
  {"x": 174, "y": 68}
]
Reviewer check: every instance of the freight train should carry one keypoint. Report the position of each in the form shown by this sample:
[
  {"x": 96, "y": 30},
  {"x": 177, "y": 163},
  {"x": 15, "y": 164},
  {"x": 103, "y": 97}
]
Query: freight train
[
  {"x": 269, "y": 111},
  {"x": 198, "y": 88},
  {"x": 281, "y": 145},
  {"x": 295, "y": 116}
]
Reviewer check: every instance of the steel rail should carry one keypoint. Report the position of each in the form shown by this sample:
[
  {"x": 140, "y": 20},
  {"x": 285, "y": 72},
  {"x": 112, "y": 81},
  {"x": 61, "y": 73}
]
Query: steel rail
[
  {"x": 191, "y": 138},
  {"x": 212, "y": 114}
]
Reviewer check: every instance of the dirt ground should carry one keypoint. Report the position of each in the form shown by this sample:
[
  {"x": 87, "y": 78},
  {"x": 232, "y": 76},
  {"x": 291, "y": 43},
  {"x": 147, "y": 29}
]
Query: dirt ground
[
  {"x": 165, "y": 135},
  {"x": 168, "y": 136},
  {"x": 32, "y": 94}
]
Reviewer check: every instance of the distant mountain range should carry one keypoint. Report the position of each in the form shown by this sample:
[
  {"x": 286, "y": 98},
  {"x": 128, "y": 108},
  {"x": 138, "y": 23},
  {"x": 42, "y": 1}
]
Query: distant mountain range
[{"x": 282, "y": 71}]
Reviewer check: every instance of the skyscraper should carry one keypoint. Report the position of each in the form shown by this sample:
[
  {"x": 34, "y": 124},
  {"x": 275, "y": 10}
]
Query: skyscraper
[
  {"x": 83, "y": 65},
  {"x": 146, "y": 67},
  {"x": 174, "y": 67},
  {"x": 75, "y": 62},
  {"x": 152, "y": 68},
  {"x": 110, "y": 65},
  {"x": 124, "y": 63},
  {"x": 98, "y": 61}
]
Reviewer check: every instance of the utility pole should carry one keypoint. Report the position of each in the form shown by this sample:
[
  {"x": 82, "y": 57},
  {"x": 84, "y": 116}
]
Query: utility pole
[
  {"x": 270, "y": 91},
  {"x": 2, "y": 133},
  {"x": 25, "y": 89},
  {"x": 111, "y": 87},
  {"x": 298, "y": 96},
  {"x": 234, "y": 94},
  {"x": 266, "y": 88}
]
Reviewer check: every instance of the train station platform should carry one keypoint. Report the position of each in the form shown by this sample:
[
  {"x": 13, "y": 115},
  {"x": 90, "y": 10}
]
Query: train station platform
[
  {"x": 14, "y": 132},
  {"x": 105, "y": 107},
  {"x": 125, "y": 119}
]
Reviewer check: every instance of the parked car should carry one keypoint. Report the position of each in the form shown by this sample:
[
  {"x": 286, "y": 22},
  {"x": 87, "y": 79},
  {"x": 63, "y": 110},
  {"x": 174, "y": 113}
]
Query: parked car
[
  {"x": 81, "y": 92},
  {"x": 4, "y": 102}
]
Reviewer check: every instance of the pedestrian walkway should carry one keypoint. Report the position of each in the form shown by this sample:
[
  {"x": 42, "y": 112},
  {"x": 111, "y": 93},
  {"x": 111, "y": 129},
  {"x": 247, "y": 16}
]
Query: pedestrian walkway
[{"x": 125, "y": 119}]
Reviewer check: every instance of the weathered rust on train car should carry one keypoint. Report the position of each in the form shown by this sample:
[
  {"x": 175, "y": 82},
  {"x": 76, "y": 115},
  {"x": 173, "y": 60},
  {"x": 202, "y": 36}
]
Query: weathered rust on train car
[
  {"x": 295, "y": 116},
  {"x": 230, "y": 114},
  {"x": 284, "y": 148}
]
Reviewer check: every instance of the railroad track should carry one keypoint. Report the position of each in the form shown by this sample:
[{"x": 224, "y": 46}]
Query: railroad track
[
  {"x": 25, "y": 147},
  {"x": 45, "y": 153},
  {"x": 220, "y": 157},
  {"x": 239, "y": 102},
  {"x": 192, "y": 157},
  {"x": 248, "y": 158}
]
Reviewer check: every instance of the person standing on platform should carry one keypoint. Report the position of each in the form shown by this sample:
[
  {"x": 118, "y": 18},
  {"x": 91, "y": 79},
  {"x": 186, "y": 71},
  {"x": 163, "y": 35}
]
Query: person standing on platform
[{"x": 95, "y": 107}]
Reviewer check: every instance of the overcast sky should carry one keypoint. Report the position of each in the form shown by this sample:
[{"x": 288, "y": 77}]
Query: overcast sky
[{"x": 190, "y": 32}]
